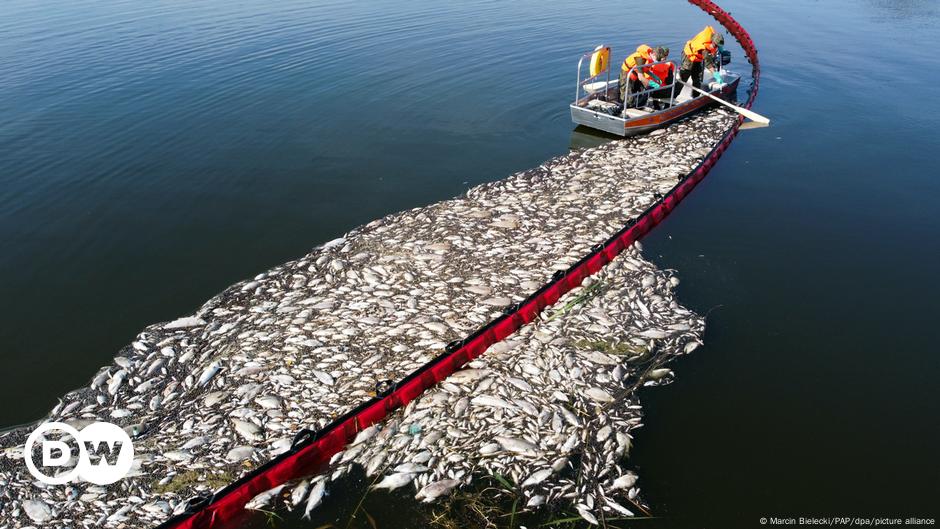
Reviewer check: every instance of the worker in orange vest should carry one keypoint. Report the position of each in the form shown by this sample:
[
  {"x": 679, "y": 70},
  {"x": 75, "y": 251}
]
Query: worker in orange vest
[
  {"x": 702, "y": 52},
  {"x": 637, "y": 83},
  {"x": 664, "y": 74}
]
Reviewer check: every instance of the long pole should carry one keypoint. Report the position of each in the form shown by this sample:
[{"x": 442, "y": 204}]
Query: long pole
[{"x": 750, "y": 114}]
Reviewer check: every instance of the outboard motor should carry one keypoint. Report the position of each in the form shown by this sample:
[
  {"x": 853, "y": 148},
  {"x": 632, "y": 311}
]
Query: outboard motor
[{"x": 725, "y": 57}]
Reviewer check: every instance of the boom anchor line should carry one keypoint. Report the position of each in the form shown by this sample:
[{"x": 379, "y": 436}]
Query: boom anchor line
[{"x": 312, "y": 450}]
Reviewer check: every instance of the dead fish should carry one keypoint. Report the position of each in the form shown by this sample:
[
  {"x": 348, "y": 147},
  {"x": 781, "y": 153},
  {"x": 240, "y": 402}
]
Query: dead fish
[
  {"x": 122, "y": 361},
  {"x": 535, "y": 501},
  {"x": 326, "y": 378},
  {"x": 570, "y": 417},
  {"x": 375, "y": 463},
  {"x": 654, "y": 334},
  {"x": 467, "y": 375},
  {"x": 537, "y": 477},
  {"x": 422, "y": 457},
  {"x": 519, "y": 383},
  {"x": 410, "y": 468},
  {"x": 657, "y": 374},
  {"x": 487, "y": 400},
  {"x": 194, "y": 442},
  {"x": 145, "y": 386},
  {"x": 518, "y": 446},
  {"x": 432, "y": 491},
  {"x": 211, "y": 399},
  {"x": 365, "y": 435},
  {"x": 624, "y": 441},
  {"x": 101, "y": 378},
  {"x": 316, "y": 496},
  {"x": 120, "y": 413},
  {"x": 586, "y": 514},
  {"x": 498, "y": 302},
  {"x": 604, "y": 433},
  {"x": 134, "y": 430},
  {"x": 116, "y": 382},
  {"x": 617, "y": 507},
  {"x": 269, "y": 402},
  {"x": 299, "y": 493},
  {"x": 264, "y": 499},
  {"x": 209, "y": 372},
  {"x": 625, "y": 481},
  {"x": 249, "y": 430},
  {"x": 155, "y": 366},
  {"x": 69, "y": 408},
  {"x": 240, "y": 453},
  {"x": 461, "y": 407},
  {"x": 598, "y": 394},
  {"x": 394, "y": 481},
  {"x": 38, "y": 511},
  {"x": 490, "y": 448}
]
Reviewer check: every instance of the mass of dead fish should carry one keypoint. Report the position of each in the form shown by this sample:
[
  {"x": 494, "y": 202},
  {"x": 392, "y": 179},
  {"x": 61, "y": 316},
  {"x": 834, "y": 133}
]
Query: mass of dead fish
[
  {"x": 551, "y": 409},
  {"x": 209, "y": 396}
]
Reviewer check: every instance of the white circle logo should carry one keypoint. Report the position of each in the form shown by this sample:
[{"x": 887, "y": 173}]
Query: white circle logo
[{"x": 105, "y": 453}]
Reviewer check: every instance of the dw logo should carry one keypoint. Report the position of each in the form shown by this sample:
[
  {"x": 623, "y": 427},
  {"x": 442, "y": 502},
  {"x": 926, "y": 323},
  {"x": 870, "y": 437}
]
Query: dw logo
[{"x": 105, "y": 453}]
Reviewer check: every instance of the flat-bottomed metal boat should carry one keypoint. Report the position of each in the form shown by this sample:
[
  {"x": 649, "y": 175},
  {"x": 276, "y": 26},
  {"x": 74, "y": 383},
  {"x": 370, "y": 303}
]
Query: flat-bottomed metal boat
[{"x": 597, "y": 101}]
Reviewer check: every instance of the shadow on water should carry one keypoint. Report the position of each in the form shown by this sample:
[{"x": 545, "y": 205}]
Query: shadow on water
[{"x": 585, "y": 138}]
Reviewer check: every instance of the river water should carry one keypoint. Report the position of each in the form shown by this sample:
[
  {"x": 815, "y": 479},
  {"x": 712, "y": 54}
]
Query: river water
[{"x": 153, "y": 153}]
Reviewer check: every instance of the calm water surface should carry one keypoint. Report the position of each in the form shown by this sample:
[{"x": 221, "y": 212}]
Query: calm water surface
[{"x": 153, "y": 153}]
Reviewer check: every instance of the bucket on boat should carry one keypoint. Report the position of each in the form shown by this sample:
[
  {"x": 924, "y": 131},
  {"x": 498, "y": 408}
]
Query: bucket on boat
[{"x": 599, "y": 86}]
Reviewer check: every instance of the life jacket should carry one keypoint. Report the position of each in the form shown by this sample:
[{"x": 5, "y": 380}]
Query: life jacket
[
  {"x": 642, "y": 51},
  {"x": 700, "y": 43},
  {"x": 661, "y": 71}
]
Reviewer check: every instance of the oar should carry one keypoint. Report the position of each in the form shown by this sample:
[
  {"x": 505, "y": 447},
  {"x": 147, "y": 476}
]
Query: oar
[
  {"x": 753, "y": 116},
  {"x": 753, "y": 125}
]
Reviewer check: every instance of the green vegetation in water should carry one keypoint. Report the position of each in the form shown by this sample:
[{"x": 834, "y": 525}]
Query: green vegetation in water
[
  {"x": 185, "y": 481},
  {"x": 612, "y": 347},
  {"x": 483, "y": 507},
  {"x": 271, "y": 517},
  {"x": 583, "y": 297}
]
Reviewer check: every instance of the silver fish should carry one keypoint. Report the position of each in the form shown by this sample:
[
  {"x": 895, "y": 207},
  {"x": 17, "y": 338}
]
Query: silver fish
[
  {"x": 299, "y": 493},
  {"x": 209, "y": 372},
  {"x": 625, "y": 481},
  {"x": 264, "y": 499},
  {"x": 518, "y": 446},
  {"x": 316, "y": 496},
  {"x": 394, "y": 481},
  {"x": 432, "y": 491},
  {"x": 38, "y": 510},
  {"x": 537, "y": 477}
]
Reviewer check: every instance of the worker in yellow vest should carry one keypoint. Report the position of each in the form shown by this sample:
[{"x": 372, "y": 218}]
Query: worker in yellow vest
[
  {"x": 638, "y": 80},
  {"x": 701, "y": 53}
]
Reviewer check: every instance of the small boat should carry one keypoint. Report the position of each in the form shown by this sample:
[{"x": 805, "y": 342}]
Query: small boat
[{"x": 597, "y": 101}]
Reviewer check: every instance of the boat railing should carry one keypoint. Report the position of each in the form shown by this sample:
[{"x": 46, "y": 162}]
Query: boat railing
[
  {"x": 600, "y": 49},
  {"x": 637, "y": 70}
]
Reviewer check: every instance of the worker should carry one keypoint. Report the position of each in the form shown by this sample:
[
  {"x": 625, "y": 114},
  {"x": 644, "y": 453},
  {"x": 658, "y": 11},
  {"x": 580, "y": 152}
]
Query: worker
[
  {"x": 664, "y": 74},
  {"x": 701, "y": 53},
  {"x": 637, "y": 83}
]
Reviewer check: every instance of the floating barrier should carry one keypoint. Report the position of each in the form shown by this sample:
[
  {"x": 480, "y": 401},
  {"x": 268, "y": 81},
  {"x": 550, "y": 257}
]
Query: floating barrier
[{"x": 311, "y": 450}]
